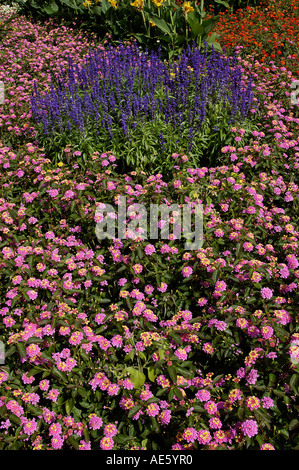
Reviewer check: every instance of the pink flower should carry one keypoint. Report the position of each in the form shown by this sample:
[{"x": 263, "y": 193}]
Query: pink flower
[
  {"x": 3, "y": 376},
  {"x": 49, "y": 235},
  {"x": 249, "y": 427},
  {"x": 53, "y": 394},
  {"x": 266, "y": 293},
  {"x": 267, "y": 446},
  {"x": 190, "y": 434},
  {"x": 215, "y": 423},
  {"x": 203, "y": 436},
  {"x": 267, "y": 332},
  {"x": 203, "y": 395},
  {"x": 253, "y": 403},
  {"x": 44, "y": 384},
  {"x": 128, "y": 384},
  {"x": 177, "y": 184},
  {"x": 76, "y": 338},
  {"x": 30, "y": 427},
  {"x": 117, "y": 341},
  {"x": 164, "y": 417},
  {"x": 33, "y": 350},
  {"x": 110, "y": 430},
  {"x": 163, "y": 287},
  {"x": 56, "y": 442},
  {"x": 55, "y": 429},
  {"x": 112, "y": 390},
  {"x": 208, "y": 348},
  {"x": 149, "y": 249},
  {"x": 32, "y": 294},
  {"x": 95, "y": 422},
  {"x": 137, "y": 268},
  {"x": 181, "y": 354},
  {"x": 152, "y": 409},
  {"x": 187, "y": 271},
  {"x": 267, "y": 402},
  {"x": 106, "y": 443}
]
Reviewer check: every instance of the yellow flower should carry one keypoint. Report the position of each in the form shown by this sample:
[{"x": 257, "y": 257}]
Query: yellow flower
[
  {"x": 187, "y": 7},
  {"x": 138, "y": 4},
  {"x": 158, "y": 3},
  {"x": 87, "y": 3},
  {"x": 113, "y": 3},
  {"x": 60, "y": 164}
]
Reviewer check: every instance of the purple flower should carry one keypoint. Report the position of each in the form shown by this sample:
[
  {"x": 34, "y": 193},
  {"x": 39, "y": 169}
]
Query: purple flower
[
  {"x": 149, "y": 249},
  {"x": 266, "y": 293},
  {"x": 249, "y": 427}
]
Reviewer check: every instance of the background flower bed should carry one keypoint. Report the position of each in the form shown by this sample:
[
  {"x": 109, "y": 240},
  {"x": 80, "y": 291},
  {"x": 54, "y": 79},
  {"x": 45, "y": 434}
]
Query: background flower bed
[{"x": 195, "y": 350}]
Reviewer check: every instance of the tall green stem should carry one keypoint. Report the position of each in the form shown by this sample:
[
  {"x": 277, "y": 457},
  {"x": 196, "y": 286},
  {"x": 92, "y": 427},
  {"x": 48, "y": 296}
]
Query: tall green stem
[{"x": 201, "y": 10}]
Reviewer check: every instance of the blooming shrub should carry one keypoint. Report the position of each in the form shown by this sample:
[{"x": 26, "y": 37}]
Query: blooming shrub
[
  {"x": 132, "y": 103},
  {"x": 94, "y": 337},
  {"x": 268, "y": 32},
  {"x": 137, "y": 343}
]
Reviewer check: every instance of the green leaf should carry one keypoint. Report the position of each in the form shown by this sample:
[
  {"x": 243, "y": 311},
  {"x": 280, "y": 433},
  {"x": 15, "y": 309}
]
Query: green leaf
[
  {"x": 170, "y": 394},
  {"x": 209, "y": 24},
  {"x": 52, "y": 8},
  {"x": 21, "y": 349},
  {"x": 137, "y": 377},
  {"x": 105, "y": 6},
  {"x": 198, "y": 408},
  {"x": 34, "y": 410},
  {"x": 34, "y": 370},
  {"x": 10, "y": 351},
  {"x": 69, "y": 405},
  {"x": 294, "y": 380},
  {"x": 172, "y": 373},
  {"x": 217, "y": 378},
  {"x": 74, "y": 442},
  {"x": 82, "y": 391},
  {"x": 215, "y": 275},
  {"x": 176, "y": 337},
  {"x": 15, "y": 419},
  {"x": 86, "y": 435},
  {"x": 279, "y": 393},
  {"x": 134, "y": 410},
  {"x": 294, "y": 424},
  {"x": 151, "y": 373},
  {"x": 272, "y": 380},
  {"x": 60, "y": 375},
  {"x": 211, "y": 41},
  {"x": 161, "y": 24},
  {"x": 221, "y": 2},
  {"x": 161, "y": 353},
  {"x": 196, "y": 28},
  {"x": 284, "y": 432},
  {"x": 69, "y": 4},
  {"x": 178, "y": 393},
  {"x": 241, "y": 413}
]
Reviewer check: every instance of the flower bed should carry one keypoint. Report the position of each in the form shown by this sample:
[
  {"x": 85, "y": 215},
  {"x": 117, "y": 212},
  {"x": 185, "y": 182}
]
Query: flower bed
[{"x": 138, "y": 343}]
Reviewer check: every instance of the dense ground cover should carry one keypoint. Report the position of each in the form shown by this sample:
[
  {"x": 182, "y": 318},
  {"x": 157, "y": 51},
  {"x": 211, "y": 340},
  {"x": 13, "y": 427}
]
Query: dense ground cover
[{"x": 139, "y": 343}]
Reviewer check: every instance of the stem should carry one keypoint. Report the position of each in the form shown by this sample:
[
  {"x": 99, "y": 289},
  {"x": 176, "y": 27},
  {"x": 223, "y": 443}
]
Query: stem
[{"x": 201, "y": 10}]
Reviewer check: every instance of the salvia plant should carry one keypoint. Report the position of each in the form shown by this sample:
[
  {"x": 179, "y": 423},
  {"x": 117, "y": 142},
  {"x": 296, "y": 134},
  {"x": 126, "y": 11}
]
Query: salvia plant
[{"x": 133, "y": 103}]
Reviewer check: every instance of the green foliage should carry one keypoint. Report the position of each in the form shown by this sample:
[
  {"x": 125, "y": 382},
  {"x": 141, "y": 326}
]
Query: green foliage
[{"x": 169, "y": 25}]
